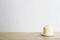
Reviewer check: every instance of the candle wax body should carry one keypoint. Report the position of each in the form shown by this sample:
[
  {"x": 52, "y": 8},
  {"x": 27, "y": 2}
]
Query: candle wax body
[{"x": 48, "y": 31}]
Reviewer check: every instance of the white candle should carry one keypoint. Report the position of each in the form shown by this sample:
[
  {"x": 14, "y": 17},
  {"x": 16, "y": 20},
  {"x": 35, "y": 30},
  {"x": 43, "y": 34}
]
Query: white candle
[{"x": 48, "y": 30}]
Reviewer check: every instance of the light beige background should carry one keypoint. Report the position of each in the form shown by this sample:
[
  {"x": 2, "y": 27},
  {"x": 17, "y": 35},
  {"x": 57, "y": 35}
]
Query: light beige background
[{"x": 29, "y": 15}]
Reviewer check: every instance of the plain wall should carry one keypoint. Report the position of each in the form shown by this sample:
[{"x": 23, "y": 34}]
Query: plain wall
[{"x": 29, "y": 15}]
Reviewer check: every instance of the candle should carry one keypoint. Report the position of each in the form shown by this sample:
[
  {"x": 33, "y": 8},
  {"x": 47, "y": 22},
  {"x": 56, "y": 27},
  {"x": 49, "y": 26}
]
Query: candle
[{"x": 48, "y": 30}]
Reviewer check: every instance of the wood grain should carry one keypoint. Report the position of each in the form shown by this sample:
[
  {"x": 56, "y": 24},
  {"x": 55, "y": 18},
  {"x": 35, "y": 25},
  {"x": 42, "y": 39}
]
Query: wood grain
[{"x": 26, "y": 36}]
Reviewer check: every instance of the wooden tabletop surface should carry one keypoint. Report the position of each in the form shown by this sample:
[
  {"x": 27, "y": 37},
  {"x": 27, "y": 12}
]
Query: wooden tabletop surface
[{"x": 26, "y": 36}]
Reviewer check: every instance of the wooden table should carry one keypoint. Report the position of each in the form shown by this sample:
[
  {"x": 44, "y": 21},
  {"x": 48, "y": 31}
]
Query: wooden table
[{"x": 26, "y": 36}]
